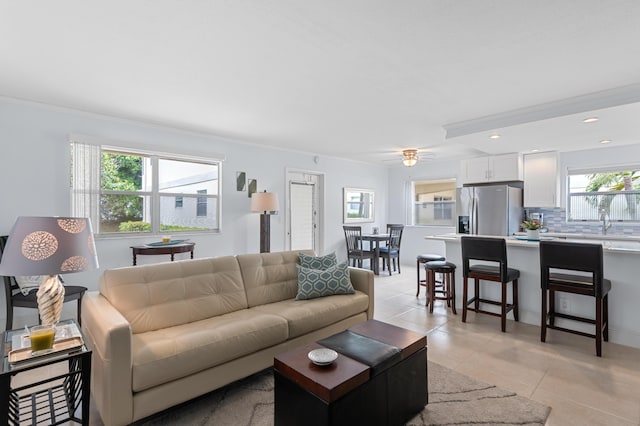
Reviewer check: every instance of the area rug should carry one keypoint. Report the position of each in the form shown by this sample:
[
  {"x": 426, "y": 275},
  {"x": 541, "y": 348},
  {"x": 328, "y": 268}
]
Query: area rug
[{"x": 454, "y": 399}]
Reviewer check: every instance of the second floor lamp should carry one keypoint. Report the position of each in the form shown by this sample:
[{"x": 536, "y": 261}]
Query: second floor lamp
[{"x": 265, "y": 203}]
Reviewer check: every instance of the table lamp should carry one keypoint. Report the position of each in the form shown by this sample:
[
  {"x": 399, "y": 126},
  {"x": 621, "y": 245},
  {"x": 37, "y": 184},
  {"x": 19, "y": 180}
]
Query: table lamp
[
  {"x": 265, "y": 203},
  {"x": 49, "y": 246}
]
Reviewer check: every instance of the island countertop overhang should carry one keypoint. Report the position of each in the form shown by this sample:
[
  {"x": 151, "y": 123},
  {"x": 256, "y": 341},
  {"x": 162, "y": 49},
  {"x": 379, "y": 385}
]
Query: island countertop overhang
[{"x": 627, "y": 245}]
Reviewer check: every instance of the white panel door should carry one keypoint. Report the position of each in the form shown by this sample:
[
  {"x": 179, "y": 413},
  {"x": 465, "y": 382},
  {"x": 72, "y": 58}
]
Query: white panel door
[{"x": 302, "y": 215}]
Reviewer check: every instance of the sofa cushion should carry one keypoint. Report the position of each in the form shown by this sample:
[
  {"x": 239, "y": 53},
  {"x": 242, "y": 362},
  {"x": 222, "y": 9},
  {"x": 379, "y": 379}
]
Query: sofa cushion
[
  {"x": 164, "y": 355},
  {"x": 318, "y": 262},
  {"x": 162, "y": 295},
  {"x": 314, "y": 283},
  {"x": 305, "y": 316},
  {"x": 270, "y": 277}
]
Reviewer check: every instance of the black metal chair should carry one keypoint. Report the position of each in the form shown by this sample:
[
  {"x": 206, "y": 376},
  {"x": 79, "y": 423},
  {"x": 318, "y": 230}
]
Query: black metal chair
[
  {"x": 355, "y": 253},
  {"x": 15, "y": 298},
  {"x": 492, "y": 250},
  {"x": 391, "y": 252},
  {"x": 557, "y": 260}
]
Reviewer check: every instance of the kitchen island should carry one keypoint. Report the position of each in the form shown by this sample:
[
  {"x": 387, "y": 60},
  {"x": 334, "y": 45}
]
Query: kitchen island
[{"x": 621, "y": 266}]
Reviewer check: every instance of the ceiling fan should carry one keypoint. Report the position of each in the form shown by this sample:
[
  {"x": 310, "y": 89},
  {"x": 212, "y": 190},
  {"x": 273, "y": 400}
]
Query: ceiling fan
[{"x": 410, "y": 156}]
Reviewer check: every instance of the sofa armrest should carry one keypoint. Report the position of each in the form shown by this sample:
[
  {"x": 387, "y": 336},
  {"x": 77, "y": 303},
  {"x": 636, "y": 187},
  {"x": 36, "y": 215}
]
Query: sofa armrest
[
  {"x": 108, "y": 335},
  {"x": 362, "y": 280}
]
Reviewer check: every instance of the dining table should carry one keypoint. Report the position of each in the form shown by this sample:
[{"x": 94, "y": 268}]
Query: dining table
[{"x": 374, "y": 241}]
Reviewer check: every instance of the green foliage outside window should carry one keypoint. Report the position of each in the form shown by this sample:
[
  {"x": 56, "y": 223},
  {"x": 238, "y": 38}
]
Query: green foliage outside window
[
  {"x": 121, "y": 172},
  {"x": 615, "y": 194}
]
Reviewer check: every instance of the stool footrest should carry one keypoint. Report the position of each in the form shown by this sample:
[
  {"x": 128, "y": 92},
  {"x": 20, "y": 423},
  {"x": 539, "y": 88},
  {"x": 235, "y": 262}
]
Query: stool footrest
[
  {"x": 571, "y": 317},
  {"x": 509, "y": 307},
  {"x": 568, "y": 330}
]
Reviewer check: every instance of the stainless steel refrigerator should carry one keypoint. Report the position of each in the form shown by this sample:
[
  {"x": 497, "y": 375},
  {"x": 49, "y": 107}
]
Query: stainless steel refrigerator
[{"x": 489, "y": 209}]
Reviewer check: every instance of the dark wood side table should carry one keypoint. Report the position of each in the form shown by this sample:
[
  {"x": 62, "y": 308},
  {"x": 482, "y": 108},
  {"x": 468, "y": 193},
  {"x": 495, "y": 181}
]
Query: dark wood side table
[
  {"x": 168, "y": 249},
  {"x": 51, "y": 400}
]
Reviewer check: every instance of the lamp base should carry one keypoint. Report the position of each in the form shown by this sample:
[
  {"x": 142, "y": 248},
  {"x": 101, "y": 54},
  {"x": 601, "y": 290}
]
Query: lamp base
[
  {"x": 50, "y": 297},
  {"x": 265, "y": 233}
]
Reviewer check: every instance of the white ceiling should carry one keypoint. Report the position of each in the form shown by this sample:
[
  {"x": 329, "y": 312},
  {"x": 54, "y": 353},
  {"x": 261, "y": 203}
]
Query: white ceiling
[{"x": 344, "y": 78}]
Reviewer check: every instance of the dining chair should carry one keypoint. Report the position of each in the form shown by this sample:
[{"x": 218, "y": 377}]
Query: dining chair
[
  {"x": 355, "y": 252},
  {"x": 390, "y": 253},
  {"x": 492, "y": 254},
  {"x": 15, "y": 298},
  {"x": 574, "y": 268}
]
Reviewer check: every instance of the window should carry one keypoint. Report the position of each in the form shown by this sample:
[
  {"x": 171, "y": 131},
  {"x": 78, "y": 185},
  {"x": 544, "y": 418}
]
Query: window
[
  {"x": 613, "y": 193},
  {"x": 442, "y": 207},
  {"x": 433, "y": 202},
  {"x": 202, "y": 204},
  {"x": 124, "y": 190},
  {"x": 358, "y": 205}
]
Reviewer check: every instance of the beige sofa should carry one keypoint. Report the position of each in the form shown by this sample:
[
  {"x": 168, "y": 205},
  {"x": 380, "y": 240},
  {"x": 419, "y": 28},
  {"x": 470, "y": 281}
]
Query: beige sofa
[{"x": 165, "y": 333}]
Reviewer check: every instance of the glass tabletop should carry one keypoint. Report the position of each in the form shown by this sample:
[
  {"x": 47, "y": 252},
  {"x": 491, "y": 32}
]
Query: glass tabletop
[{"x": 19, "y": 338}]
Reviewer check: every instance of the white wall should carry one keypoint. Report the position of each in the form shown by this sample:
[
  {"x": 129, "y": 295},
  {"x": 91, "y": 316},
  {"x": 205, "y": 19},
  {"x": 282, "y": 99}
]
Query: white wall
[
  {"x": 34, "y": 180},
  {"x": 413, "y": 242}
]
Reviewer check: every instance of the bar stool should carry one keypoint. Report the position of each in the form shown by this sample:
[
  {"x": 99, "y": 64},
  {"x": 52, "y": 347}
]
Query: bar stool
[
  {"x": 420, "y": 260},
  {"x": 492, "y": 250},
  {"x": 448, "y": 287},
  {"x": 563, "y": 258}
]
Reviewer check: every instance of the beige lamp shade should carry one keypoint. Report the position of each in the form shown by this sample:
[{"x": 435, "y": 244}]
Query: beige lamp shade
[{"x": 264, "y": 202}]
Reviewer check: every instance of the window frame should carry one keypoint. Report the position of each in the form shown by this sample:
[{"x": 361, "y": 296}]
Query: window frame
[
  {"x": 412, "y": 203},
  {"x": 155, "y": 194},
  {"x": 616, "y": 168}
]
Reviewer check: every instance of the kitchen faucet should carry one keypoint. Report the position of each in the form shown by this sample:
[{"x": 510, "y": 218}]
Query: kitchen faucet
[{"x": 604, "y": 218}]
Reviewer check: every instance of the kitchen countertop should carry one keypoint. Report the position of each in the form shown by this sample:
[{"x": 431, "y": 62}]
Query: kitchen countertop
[
  {"x": 572, "y": 236},
  {"x": 621, "y": 244}
]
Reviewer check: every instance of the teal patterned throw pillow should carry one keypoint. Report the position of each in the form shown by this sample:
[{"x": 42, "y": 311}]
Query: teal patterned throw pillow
[
  {"x": 313, "y": 283},
  {"x": 318, "y": 262}
]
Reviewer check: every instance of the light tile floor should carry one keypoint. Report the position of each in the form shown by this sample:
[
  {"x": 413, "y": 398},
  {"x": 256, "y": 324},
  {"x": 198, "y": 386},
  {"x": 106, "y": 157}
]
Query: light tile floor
[{"x": 563, "y": 373}]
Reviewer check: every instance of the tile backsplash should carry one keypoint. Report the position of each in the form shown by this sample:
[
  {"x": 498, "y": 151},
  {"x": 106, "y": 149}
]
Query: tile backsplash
[{"x": 555, "y": 220}]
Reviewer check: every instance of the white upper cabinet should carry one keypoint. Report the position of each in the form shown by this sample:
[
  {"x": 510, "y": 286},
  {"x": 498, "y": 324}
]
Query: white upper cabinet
[
  {"x": 495, "y": 168},
  {"x": 542, "y": 180}
]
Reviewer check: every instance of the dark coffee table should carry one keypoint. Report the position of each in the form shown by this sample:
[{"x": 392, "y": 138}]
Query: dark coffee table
[{"x": 349, "y": 392}]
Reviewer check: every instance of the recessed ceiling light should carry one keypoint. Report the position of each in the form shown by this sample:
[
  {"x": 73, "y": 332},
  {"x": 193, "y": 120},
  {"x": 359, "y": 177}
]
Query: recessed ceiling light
[
  {"x": 494, "y": 136},
  {"x": 605, "y": 141},
  {"x": 590, "y": 120},
  {"x": 535, "y": 150}
]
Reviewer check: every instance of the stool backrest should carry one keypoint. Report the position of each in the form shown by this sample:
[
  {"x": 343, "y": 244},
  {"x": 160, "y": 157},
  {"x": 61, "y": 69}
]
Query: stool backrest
[
  {"x": 485, "y": 249},
  {"x": 568, "y": 256}
]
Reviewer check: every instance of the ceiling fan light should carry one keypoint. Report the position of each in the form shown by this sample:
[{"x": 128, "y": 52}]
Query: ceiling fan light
[
  {"x": 410, "y": 157},
  {"x": 409, "y": 162}
]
